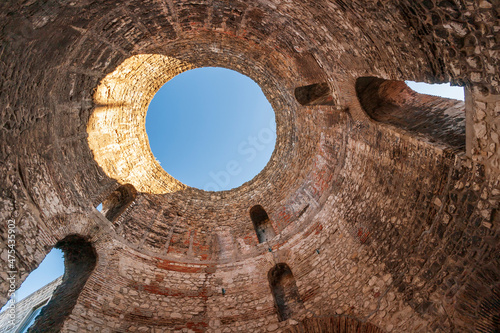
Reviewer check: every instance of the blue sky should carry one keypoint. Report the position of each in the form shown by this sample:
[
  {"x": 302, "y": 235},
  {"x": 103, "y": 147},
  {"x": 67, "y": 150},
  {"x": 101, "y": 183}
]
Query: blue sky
[
  {"x": 443, "y": 90},
  {"x": 213, "y": 129},
  {"x": 49, "y": 269}
]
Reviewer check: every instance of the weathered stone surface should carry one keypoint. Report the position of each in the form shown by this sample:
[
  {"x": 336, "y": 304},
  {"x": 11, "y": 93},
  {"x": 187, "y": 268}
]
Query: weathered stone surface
[{"x": 385, "y": 225}]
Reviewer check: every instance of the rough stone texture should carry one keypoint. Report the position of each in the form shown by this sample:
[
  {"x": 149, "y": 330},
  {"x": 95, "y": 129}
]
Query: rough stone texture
[
  {"x": 377, "y": 224},
  {"x": 485, "y": 129},
  {"x": 79, "y": 262},
  {"x": 335, "y": 324}
]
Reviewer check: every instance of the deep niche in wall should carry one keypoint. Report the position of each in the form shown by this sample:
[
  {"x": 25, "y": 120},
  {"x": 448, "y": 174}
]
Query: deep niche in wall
[
  {"x": 436, "y": 119},
  {"x": 48, "y": 310}
]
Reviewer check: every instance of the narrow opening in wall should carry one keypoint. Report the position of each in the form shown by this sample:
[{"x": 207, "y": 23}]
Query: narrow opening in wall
[
  {"x": 285, "y": 292},
  {"x": 35, "y": 292},
  {"x": 51, "y": 268},
  {"x": 303, "y": 210},
  {"x": 79, "y": 262},
  {"x": 434, "y": 119},
  {"x": 116, "y": 203},
  {"x": 262, "y": 224}
]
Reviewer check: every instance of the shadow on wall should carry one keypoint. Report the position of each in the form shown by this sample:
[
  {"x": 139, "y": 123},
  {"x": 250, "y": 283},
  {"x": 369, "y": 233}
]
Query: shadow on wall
[
  {"x": 476, "y": 310},
  {"x": 338, "y": 324},
  {"x": 439, "y": 120}
]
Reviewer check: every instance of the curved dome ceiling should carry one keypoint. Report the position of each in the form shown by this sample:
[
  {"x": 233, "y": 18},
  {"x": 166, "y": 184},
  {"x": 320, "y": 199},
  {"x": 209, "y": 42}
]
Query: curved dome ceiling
[{"x": 362, "y": 220}]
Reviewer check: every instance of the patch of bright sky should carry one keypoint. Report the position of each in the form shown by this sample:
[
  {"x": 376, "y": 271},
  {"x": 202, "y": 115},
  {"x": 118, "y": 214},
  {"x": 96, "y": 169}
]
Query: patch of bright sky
[
  {"x": 49, "y": 269},
  {"x": 211, "y": 128},
  {"x": 442, "y": 90}
]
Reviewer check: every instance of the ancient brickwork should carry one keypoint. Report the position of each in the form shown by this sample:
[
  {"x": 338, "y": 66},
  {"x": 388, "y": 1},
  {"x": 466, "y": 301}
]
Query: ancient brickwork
[
  {"x": 382, "y": 227},
  {"x": 485, "y": 129}
]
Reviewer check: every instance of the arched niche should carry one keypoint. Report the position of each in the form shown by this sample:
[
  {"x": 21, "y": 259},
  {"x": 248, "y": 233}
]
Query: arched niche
[
  {"x": 285, "y": 292},
  {"x": 314, "y": 94},
  {"x": 116, "y": 203},
  {"x": 261, "y": 223}
]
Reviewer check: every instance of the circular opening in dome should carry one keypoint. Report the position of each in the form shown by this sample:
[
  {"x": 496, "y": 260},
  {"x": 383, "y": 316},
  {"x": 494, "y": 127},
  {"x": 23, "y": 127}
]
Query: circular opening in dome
[{"x": 211, "y": 128}]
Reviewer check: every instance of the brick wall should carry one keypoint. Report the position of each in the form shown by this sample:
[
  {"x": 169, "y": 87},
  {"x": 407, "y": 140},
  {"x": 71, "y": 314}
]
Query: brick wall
[{"x": 376, "y": 224}]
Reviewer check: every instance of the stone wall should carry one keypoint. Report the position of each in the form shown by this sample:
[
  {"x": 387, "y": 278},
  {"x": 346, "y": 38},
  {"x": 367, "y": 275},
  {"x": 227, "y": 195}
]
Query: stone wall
[{"x": 382, "y": 229}]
